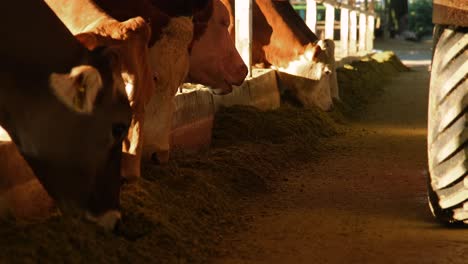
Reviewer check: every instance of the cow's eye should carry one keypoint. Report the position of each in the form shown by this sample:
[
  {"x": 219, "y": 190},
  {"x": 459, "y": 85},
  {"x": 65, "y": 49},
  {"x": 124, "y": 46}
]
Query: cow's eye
[{"x": 119, "y": 131}]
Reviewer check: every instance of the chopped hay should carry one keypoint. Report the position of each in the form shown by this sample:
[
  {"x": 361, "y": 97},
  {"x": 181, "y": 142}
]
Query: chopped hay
[
  {"x": 177, "y": 212},
  {"x": 360, "y": 81}
]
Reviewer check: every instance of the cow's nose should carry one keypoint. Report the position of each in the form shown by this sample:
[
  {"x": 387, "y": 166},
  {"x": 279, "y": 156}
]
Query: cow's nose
[
  {"x": 108, "y": 220},
  {"x": 239, "y": 73},
  {"x": 243, "y": 70}
]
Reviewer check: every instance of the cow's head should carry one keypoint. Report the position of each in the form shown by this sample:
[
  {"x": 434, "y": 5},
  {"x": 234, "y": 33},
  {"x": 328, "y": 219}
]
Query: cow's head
[
  {"x": 72, "y": 135},
  {"x": 327, "y": 55},
  {"x": 317, "y": 61},
  {"x": 214, "y": 60}
]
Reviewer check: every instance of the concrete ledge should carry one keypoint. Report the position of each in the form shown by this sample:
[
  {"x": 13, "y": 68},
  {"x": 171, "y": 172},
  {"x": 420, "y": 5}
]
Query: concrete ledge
[
  {"x": 260, "y": 91},
  {"x": 264, "y": 90},
  {"x": 193, "y": 120},
  {"x": 307, "y": 92},
  {"x": 195, "y": 109},
  {"x": 240, "y": 95}
]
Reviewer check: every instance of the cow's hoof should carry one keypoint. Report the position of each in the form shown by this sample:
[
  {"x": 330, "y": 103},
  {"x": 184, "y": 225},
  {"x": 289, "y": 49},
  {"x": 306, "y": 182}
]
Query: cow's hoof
[{"x": 109, "y": 220}]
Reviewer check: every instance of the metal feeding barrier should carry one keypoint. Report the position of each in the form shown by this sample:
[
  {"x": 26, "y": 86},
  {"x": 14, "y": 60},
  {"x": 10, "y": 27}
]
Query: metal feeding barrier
[{"x": 356, "y": 25}]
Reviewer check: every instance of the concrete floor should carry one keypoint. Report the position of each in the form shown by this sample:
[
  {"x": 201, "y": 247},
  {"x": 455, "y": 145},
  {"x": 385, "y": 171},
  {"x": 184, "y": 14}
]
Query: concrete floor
[{"x": 364, "y": 200}]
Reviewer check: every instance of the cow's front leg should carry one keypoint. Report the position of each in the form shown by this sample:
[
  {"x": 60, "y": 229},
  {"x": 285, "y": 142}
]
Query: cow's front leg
[{"x": 131, "y": 149}]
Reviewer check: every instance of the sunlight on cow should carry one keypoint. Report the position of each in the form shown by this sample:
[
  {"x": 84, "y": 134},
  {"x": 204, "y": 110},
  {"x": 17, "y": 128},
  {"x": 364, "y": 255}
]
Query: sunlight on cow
[
  {"x": 75, "y": 156},
  {"x": 169, "y": 57},
  {"x": 130, "y": 37},
  {"x": 313, "y": 64}
]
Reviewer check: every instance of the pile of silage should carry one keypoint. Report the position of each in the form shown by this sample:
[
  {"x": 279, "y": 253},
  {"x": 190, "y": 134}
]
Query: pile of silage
[
  {"x": 177, "y": 212},
  {"x": 360, "y": 81}
]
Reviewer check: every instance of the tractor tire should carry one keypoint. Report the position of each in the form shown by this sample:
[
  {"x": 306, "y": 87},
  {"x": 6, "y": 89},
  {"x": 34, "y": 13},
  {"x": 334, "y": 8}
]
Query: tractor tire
[{"x": 447, "y": 140}]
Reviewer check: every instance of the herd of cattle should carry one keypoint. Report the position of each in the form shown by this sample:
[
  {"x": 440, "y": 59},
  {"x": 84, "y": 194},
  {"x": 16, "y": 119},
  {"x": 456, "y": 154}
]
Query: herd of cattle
[{"x": 80, "y": 77}]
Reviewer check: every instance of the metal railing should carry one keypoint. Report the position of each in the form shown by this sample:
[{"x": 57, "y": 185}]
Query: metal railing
[{"x": 356, "y": 25}]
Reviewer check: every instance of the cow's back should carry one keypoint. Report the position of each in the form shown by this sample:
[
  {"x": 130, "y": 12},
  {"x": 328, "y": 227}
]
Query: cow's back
[
  {"x": 33, "y": 35},
  {"x": 296, "y": 23}
]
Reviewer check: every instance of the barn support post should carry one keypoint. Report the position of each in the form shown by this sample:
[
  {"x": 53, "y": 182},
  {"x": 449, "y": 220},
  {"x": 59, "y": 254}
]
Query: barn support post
[
  {"x": 353, "y": 32},
  {"x": 311, "y": 15},
  {"x": 370, "y": 25},
  {"x": 370, "y": 33},
  {"x": 243, "y": 25},
  {"x": 344, "y": 31},
  {"x": 362, "y": 32},
  {"x": 329, "y": 21}
]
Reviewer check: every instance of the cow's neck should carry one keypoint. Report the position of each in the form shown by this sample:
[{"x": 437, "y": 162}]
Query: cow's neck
[
  {"x": 200, "y": 20},
  {"x": 173, "y": 43},
  {"x": 24, "y": 100}
]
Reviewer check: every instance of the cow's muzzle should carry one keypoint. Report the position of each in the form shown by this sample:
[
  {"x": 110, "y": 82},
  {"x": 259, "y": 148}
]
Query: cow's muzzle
[{"x": 109, "y": 220}]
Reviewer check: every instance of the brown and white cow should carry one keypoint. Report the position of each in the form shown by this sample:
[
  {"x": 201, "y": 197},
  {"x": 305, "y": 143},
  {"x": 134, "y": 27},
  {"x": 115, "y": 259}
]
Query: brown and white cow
[
  {"x": 94, "y": 27},
  {"x": 213, "y": 61},
  {"x": 64, "y": 107},
  {"x": 201, "y": 48},
  {"x": 172, "y": 33},
  {"x": 282, "y": 40},
  {"x": 280, "y": 36}
]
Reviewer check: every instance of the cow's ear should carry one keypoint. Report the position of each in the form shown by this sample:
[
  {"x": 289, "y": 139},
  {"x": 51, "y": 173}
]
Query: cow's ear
[
  {"x": 78, "y": 89},
  {"x": 312, "y": 52},
  {"x": 89, "y": 40}
]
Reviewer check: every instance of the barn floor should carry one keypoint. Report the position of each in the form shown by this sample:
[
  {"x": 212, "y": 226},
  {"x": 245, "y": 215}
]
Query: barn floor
[
  {"x": 364, "y": 199},
  {"x": 253, "y": 185}
]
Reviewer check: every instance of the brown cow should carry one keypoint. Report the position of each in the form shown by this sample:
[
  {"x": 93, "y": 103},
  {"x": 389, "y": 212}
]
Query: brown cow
[
  {"x": 68, "y": 117},
  {"x": 214, "y": 60},
  {"x": 94, "y": 27}
]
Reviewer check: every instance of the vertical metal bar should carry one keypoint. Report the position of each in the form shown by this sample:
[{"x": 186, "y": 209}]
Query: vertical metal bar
[
  {"x": 362, "y": 32},
  {"x": 329, "y": 21},
  {"x": 353, "y": 32},
  {"x": 311, "y": 15},
  {"x": 344, "y": 31},
  {"x": 370, "y": 33},
  {"x": 243, "y": 20}
]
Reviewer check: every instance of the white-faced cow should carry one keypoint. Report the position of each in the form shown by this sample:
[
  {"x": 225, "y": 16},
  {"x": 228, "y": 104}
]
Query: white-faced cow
[
  {"x": 200, "y": 49},
  {"x": 172, "y": 32},
  {"x": 212, "y": 60},
  {"x": 282, "y": 40},
  {"x": 64, "y": 107}
]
